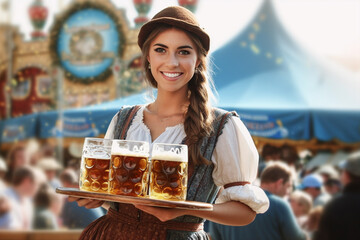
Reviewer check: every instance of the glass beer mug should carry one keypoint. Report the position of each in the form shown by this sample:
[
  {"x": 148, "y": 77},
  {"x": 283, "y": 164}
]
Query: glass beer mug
[
  {"x": 95, "y": 165},
  {"x": 129, "y": 171},
  {"x": 169, "y": 172}
]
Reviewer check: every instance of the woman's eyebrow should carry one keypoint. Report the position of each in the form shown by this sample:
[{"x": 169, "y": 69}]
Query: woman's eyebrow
[
  {"x": 160, "y": 45},
  {"x": 180, "y": 47},
  {"x": 185, "y": 46}
]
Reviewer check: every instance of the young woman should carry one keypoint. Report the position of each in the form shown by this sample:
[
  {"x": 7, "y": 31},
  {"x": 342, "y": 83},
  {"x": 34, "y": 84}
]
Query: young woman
[{"x": 221, "y": 151}]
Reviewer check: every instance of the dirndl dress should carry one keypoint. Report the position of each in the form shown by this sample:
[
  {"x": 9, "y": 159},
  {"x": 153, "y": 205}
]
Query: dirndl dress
[{"x": 125, "y": 222}]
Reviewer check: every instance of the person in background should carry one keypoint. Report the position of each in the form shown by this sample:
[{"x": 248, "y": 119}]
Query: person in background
[
  {"x": 341, "y": 216},
  {"x": 328, "y": 171},
  {"x": 278, "y": 222},
  {"x": 3, "y": 170},
  {"x": 270, "y": 153},
  {"x": 290, "y": 156},
  {"x": 333, "y": 186},
  {"x": 312, "y": 223},
  {"x": 33, "y": 151},
  {"x": 5, "y": 206},
  {"x": 19, "y": 194},
  {"x": 16, "y": 157},
  {"x": 4, "y": 202},
  {"x": 50, "y": 167},
  {"x": 313, "y": 185},
  {"x": 73, "y": 216},
  {"x": 75, "y": 165},
  {"x": 301, "y": 204},
  {"x": 48, "y": 206}
]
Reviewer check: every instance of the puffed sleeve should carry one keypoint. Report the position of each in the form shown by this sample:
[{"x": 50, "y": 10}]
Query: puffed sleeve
[
  {"x": 236, "y": 160},
  {"x": 111, "y": 128}
]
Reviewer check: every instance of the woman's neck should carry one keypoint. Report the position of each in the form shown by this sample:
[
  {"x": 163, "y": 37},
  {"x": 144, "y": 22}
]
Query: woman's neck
[{"x": 169, "y": 103}]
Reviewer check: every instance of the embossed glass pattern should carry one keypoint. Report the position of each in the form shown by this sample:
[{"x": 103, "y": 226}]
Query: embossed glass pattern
[
  {"x": 95, "y": 165},
  {"x": 169, "y": 172},
  {"x": 129, "y": 171}
]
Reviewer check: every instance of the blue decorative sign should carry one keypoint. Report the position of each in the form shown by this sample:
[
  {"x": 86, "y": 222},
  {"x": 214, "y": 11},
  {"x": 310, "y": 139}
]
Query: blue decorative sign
[
  {"x": 277, "y": 124},
  {"x": 265, "y": 126},
  {"x": 20, "y": 128},
  {"x": 80, "y": 127},
  {"x": 86, "y": 41}
]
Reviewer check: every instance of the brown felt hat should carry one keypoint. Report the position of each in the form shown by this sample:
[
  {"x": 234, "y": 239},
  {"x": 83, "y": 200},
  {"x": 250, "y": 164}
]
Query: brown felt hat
[{"x": 178, "y": 17}]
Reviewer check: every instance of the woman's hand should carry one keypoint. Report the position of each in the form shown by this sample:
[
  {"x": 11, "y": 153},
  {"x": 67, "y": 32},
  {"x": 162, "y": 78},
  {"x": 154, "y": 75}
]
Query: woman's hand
[
  {"x": 163, "y": 214},
  {"x": 87, "y": 203}
]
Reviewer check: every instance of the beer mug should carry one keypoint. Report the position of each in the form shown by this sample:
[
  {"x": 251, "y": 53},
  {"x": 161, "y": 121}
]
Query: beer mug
[
  {"x": 95, "y": 165},
  {"x": 129, "y": 171},
  {"x": 169, "y": 172}
]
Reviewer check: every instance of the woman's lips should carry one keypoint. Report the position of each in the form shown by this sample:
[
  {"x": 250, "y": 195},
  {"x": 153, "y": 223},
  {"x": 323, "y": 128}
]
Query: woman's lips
[{"x": 171, "y": 75}]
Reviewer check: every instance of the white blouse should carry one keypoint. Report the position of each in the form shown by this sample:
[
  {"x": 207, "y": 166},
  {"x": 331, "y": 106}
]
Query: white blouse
[{"x": 235, "y": 158}]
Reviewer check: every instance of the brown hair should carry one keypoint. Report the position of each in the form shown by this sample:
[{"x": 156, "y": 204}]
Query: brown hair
[
  {"x": 68, "y": 177},
  {"x": 45, "y": 196},
  {"x": 22, "y": 173},
  {"x": 289, "y": 154},
  {"x": 198, "y": 117},
  {"x": 10, "y": 160},
  {"x": 312, "y": 224},
  {"x": 274, "y": 171}
]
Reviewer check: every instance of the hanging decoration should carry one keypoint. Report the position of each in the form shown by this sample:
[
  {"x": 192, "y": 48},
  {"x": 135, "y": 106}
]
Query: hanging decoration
[
  {"x": 38, "y": 14},
  {"x": 189, "y": 4},
  {"x": 85, "y": 40},
  {"x": 142, "y": 7}
]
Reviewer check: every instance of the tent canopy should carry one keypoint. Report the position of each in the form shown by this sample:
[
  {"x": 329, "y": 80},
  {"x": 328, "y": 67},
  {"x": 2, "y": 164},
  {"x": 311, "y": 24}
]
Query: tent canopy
[{"x": 282, "y": 91}]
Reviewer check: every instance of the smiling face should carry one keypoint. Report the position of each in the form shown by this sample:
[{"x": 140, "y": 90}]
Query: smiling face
[{"x": 173, "y": 58}]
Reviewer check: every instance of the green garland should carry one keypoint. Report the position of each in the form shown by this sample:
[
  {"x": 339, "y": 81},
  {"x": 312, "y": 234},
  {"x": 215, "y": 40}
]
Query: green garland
[{"x": 55, "y": 30}]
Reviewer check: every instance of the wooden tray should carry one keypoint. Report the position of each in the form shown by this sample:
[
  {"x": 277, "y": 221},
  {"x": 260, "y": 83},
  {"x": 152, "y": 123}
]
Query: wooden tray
[{"x": 75, "y": 192}]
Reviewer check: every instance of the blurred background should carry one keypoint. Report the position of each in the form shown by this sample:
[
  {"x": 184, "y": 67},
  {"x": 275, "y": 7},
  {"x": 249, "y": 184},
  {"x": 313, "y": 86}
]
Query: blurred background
[{"x": 290, "y": 68}]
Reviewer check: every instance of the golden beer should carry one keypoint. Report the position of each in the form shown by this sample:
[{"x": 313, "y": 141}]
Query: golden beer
[
  {"x": 94, "y": 175},
  {"x": 129, "y": 171},
  {"x": 129, "y": 175},
  {"x": 169, "y": 172},
  {"x": 95, "y": 165}
]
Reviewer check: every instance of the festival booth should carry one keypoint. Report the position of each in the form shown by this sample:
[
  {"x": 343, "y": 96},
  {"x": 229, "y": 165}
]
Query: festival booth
[{"x": 88, "y": 57}]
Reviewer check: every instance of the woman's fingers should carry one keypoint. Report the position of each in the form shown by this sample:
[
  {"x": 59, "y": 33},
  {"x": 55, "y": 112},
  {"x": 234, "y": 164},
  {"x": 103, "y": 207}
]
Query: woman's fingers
[
  {"x": 163, "y": 214},
  {"x": 72, "y": 199},
  {"x": 87, "y": 203}
]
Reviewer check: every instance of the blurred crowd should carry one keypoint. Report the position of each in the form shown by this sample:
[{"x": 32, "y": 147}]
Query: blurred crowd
[
  {"x": 29, "y": 175},
  {"x": 317, "y": 203},
  {"x": 299, "y": 197}
]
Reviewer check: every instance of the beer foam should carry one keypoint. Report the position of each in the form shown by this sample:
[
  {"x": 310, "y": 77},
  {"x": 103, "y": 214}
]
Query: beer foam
[
  {"x": 97, "y": 157},
  {"x": 169, "y": 156},
  {"x": 131, "y": 154}
]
